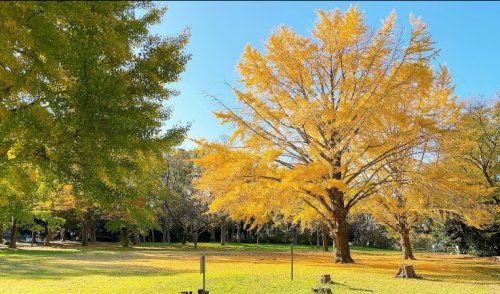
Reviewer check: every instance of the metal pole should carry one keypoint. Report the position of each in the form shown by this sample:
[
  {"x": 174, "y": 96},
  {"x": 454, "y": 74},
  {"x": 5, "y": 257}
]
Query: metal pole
[{"x": 291, "y": 261}]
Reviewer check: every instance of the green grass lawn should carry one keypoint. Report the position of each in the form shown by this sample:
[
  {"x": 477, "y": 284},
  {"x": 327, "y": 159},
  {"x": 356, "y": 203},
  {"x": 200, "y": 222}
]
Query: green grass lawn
[{"x": 243, "y": 268}]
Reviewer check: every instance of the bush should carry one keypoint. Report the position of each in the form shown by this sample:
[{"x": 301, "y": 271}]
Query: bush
[
  {"x": 421, "y": 241},
  {"x": 469, "y": 239}
]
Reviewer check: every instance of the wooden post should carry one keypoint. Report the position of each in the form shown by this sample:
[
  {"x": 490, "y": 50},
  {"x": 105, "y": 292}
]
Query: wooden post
[
  {"x": 202, "y": 269},
  {"x": 326, "y": 279},
  {"x": 291, "y": 261}
]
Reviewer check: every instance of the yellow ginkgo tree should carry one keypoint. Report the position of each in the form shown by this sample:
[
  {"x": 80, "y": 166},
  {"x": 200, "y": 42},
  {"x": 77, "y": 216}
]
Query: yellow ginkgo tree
[
  {"x": 424, "y": 188},
  {"x": 320, "y": 117}
]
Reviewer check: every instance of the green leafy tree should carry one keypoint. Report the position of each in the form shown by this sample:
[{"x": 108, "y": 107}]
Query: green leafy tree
[
  {"x": 52, "y": 222},
  {"x": 88, "y": 80},
  {"x": 28, "y": 74},
  {"x": 135, "y": 209}
]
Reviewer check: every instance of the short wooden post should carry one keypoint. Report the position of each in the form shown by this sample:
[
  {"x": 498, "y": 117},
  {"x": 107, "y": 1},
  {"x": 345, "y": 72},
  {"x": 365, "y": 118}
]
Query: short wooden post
[
  {"x": 202, "y": 269},
  {"x": 326, "y": 279}
]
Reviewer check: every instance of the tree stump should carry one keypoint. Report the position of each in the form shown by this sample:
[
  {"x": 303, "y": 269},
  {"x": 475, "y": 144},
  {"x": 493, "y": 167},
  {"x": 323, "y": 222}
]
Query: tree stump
[
  {"x": 326, "y": 279},
  {"x": 321, "y": 289},
  {"x": 406, "y": 271}
]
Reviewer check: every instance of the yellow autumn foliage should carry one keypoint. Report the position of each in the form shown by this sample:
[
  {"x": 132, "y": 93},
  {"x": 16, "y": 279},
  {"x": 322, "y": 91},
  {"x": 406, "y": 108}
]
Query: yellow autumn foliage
[{"x": 321, "y": 117}]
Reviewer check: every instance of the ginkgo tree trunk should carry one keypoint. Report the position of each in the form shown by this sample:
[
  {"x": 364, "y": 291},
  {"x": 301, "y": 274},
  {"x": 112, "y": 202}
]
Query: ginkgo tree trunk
[
  {"x": 396, "y": 211},
  {"x": 311, "y": 135}
]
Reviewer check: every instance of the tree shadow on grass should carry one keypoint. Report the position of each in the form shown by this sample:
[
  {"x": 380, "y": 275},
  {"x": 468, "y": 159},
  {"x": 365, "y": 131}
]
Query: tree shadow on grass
[
  {"x": 34, "y": 271},
  {"x": 45, "y": 264},
  {"x": 490, "y": 271},
  {"x": 34, "y": 252},
  {"x": 352, "y": 288},
  {"x": 124, "y": 255},
  {"x": 458, "y": 279}
]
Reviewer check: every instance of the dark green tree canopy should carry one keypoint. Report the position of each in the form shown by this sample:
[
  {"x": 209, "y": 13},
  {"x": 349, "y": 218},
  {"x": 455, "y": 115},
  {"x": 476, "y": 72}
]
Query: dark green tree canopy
[{"x": 83, "y": 87}]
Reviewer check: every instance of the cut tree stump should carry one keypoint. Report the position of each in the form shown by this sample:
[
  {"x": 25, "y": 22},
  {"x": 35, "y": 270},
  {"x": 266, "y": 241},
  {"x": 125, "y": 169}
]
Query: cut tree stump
[
  {"x": 326, "y": 279},
  {"x": 406, "y": 271},
  {"x": 321, "y": 289}
]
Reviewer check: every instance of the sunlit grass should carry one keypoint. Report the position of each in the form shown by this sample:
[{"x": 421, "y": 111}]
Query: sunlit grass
[{"x": 243, "y": 268}]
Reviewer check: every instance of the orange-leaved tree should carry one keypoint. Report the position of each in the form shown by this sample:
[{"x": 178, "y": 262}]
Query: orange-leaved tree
[{"x": 320, "y": 117}]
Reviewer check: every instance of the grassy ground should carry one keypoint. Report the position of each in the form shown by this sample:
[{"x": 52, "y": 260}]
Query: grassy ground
[{"x": 244, "y": 268}]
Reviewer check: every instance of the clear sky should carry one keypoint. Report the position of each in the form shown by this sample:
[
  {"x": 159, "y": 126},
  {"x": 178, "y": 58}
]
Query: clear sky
[{"x": 468, "y": 34}]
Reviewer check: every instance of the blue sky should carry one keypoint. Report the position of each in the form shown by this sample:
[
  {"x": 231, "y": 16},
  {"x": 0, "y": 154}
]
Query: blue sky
[{"x": 468, "y": 34}]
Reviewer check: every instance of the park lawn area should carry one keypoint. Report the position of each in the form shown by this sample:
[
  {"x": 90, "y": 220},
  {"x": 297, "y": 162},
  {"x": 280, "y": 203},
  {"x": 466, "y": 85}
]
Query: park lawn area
[{"x": 243, "y": 268}]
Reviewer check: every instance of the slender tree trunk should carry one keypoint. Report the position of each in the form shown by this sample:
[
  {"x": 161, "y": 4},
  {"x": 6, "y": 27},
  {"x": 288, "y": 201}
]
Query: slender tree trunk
[
  {"x": 293, "y": 232},
  {"x": 152, "y": 236},
  {"x": 85, "y": 241},
  {"x": 164, "y": 236},
  {"x": 405, "y": 243},
  {"x": 257, "y": 237},
  {"x": 1, "y": 233},
  {"x": 63, "y": 235},
  {"x": 341, "y": 250},
  {"x": 406, "y": 246},
  {"x": 309, "y": 238},
  {"x": 223, "y": 234},
  {"x": 33, "y": 236},
  {"x": 317, "y": 238},
  {"x": 126, "y": 238},
  {"x": 48, "y": 238},
  {"x": 183, "y": 239},
  {"x": 13, "y": 234},
  {"x": 238, "y": 233},
  {"x": 195, "y": 239},
  {"x": 324, "y": 236},
  {"x": 85, "y": 230}
]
